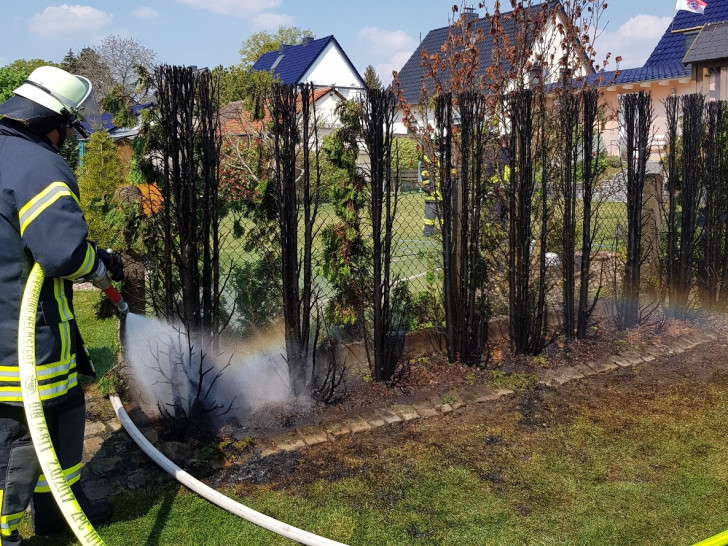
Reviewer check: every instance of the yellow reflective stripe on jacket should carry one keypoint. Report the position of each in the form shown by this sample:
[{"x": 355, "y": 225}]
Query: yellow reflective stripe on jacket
[
  {"x": 72, "y": 475},
  {"x": 64, "y": 310},
  {"x": 87, "y": 265},
  {"x": 8, "y": 522},
  {"x": 42, "y": 201},
  {"x": 45, "y": 372},
  {"x": 54, "y": 378}
]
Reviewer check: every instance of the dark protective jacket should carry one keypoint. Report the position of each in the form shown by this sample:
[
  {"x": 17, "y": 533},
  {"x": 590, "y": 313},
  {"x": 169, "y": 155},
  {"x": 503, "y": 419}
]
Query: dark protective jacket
[{"x": 40, "y": 221}]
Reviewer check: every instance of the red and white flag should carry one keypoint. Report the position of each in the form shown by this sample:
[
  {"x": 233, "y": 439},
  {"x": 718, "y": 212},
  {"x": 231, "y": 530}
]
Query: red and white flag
[{"x": 696, "y": 6}]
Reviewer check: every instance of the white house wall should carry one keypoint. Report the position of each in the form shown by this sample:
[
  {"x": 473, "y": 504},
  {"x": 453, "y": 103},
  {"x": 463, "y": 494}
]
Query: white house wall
[
  {"x": 325, "y": 111},
  {"x": 549, "y": 45},
  {"x": 331, "y": 68}
]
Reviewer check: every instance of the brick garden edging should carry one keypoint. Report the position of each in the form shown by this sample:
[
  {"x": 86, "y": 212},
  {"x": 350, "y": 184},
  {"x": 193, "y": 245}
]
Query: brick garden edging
[{"x": 329, "y": 430}]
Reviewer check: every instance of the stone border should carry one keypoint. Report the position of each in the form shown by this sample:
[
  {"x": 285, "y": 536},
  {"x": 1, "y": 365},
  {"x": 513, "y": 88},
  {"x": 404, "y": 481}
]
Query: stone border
[{"x": 329, "y": 430}]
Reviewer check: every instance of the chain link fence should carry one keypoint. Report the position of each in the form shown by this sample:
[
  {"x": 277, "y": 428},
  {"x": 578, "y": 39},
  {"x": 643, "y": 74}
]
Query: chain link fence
[{"x": 249, "y": 235}]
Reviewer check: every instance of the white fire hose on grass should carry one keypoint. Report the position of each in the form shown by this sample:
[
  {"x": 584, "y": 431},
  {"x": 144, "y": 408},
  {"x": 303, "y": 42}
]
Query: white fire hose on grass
[{"x": 212, "y": 495}]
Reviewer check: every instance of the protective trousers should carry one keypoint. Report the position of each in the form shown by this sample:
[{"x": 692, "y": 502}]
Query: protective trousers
[
  {"x": 431, "y": 214},
  {"x": 20, "y": 474}
]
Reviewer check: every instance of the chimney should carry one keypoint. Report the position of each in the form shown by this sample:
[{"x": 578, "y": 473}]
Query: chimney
[
  {"x": 306, "y": 40},
  {"x": 469, "y": 14}
]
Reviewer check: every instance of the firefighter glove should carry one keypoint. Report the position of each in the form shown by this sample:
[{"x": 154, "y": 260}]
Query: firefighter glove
[{"x": 113, "y": 264}]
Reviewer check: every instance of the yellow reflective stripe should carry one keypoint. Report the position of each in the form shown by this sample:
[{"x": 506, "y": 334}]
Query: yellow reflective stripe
[
  {"x": 53, "y": 390},
  {"x": 64, "y": 310},
  {"x": 12, "y": 393},
  {"x": 72, "y": 475},
  {"x": 44, "y": 371},
  {"x": 42, "y": 201},
  {"x": 87, "y": 265},
  {"x": 49, "y": 371},
  {"x": 8, "y": 522},
  {"x": 9, "y": 373},
  {"x": 64, "y": 368},
  {"x": 64, "y": 328}
]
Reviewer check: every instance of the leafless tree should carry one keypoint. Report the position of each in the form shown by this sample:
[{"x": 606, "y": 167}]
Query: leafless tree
[{"x": 123, "y": 57}]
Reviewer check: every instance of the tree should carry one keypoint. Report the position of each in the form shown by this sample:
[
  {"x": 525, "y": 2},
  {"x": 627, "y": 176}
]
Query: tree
[
  {"x": 88, "y": 63},
  {"x": 98, "y": 179},
  {"x": 371, "y": 78},
  {"x": 70, "y": 62},
  {"x": 124, "y": 57},
  {"x": 239, "y": 83},
  {"x": 264, "y": 42},
  {"x": 119, "y": 71},
  {"x": 14, "y": 74},
  {"x": 347, "y": 248}
]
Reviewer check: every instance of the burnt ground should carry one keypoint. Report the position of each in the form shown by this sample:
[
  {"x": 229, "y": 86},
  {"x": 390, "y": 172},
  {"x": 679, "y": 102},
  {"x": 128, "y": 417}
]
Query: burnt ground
[
  {"x": 691, "y": 372},
  {"x": 232, "y": 458}
]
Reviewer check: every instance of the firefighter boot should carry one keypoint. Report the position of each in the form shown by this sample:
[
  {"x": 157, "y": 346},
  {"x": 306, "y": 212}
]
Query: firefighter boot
[{"x": 47, "y": 518}]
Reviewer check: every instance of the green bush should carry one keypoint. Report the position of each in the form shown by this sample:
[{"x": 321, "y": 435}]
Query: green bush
[
  {"x": 99, "y": 175},
  {"x": 258, "y": 293}
]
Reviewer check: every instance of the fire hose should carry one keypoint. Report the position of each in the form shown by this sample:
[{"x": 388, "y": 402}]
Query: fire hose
[
  {"x": 67, "y": 503},
  {"x": 212, "y": 495},
  {"x": 69, "y": 506}
]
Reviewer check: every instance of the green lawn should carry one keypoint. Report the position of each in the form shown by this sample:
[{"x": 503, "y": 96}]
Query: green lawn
[
  {"x": 412, "y": 256},
  {"x": 98, "y": 335}
]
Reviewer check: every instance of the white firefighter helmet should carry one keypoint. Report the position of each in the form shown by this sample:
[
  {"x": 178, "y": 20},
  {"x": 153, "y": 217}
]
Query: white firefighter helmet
[{"x": 56, "y": 91}]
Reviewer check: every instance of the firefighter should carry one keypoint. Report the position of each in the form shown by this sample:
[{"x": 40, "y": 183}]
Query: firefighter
[
  {"x": 430, "y": 185},
  {"x": 41, "y": 221},
  {"x": 498, "y": 169},
  {"x": 431, "y": 189}
]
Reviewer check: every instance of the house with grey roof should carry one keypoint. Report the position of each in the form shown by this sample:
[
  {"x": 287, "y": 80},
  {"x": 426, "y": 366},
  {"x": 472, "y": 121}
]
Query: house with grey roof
[{"x": 542, "y": 44}]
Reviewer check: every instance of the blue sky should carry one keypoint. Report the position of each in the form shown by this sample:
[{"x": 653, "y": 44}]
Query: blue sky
[{"x": 381, "y": 33}]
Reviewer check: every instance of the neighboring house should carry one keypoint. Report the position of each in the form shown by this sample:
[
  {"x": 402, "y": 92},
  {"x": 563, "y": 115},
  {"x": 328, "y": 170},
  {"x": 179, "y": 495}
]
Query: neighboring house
[
  {"x": 547, "y": 43},
  {"x": 320, "y": 61},
  {"x": 235, "y": 121},
  {"x": 121, "y": 136},
  {"x": 691, "y": 57}
]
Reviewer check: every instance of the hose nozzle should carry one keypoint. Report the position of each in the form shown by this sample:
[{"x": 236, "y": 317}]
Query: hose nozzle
[
  {"x": 122, "y": 308},
  {"x": 100, "y": 279}
]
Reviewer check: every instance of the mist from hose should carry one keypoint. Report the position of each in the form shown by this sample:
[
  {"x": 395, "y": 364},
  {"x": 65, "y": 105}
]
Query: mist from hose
[{"x": 163, "y": 371}]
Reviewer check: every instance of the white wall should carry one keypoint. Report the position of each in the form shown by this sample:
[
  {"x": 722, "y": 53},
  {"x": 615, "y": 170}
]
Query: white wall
[{"x": 332, "y": 69}]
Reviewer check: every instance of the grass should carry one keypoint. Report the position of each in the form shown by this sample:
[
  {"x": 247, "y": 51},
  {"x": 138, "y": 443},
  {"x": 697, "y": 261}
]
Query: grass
[
  {"x": 609, "y": 477},
  {"x": 412, "y": 256},
  {"x": 99, "y": 336},
  {"x": 628, "y": 467}
]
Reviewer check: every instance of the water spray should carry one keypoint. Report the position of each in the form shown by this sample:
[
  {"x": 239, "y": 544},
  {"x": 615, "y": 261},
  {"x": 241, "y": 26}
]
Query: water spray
[{"x": 67, "y": 503}]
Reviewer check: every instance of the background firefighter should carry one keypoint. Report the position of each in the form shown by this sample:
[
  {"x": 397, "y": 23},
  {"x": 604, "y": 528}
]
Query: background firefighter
[
  {"x": 41, "y": 221},
  {"x": 431, "y": 190}
]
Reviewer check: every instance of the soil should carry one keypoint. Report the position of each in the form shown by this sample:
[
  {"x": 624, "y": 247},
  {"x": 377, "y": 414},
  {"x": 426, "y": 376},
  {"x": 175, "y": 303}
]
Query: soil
[
  {"x": 691, "y": 372},
  {"x": 430, "y": 374},
  {"x": 234, "y": 458}
]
